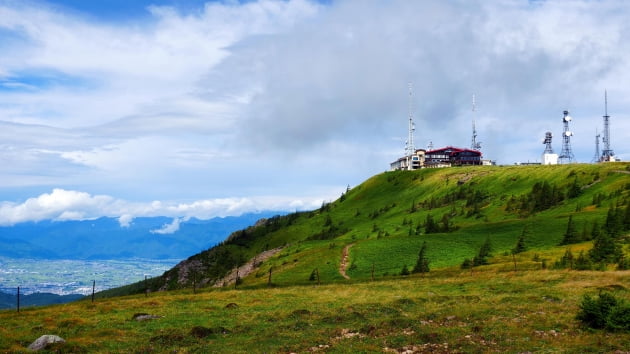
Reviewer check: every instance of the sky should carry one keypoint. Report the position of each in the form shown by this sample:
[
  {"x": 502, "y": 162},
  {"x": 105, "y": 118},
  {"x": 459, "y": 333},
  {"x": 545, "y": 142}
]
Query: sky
[{"x": 192, "y": 108}]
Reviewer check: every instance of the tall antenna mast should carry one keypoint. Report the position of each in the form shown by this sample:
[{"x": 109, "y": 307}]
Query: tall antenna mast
[
  {"x": 547, "y": 142},
  {"x": 410, "y": 149},
  {"x": 474, "y": 144},
  {"x": 597, "y": 157},
  {"x": 607, "y": 153},
  {"x": 566, "y": 155}
]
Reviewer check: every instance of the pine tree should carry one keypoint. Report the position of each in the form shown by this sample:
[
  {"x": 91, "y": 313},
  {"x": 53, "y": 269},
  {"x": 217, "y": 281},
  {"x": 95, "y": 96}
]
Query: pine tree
[
  {"x": 614, "y": 222},
  {"x": 566, "y": 260},
  {"x": 484, "y": 252},
  {"x": 430, "y": 226},
  {"x": 570, "y": 236},
  {"x": 520, "y": 243},
  {"x": 422, "y": 265},
  {"x": 605, "y": 249},
  {"x": 582, "y": 262}
]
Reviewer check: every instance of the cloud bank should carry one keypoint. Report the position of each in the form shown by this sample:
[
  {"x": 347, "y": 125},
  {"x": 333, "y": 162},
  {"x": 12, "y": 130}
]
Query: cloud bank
[
  {"x": 62, "y": 205},
  {"x": 238, "y": 104}
]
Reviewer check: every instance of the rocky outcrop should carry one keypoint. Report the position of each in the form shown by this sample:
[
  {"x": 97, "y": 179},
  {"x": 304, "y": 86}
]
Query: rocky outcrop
[{"x": 44, "y": 341}]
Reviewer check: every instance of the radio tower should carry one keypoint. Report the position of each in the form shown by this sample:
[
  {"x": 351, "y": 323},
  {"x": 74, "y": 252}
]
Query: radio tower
[
  {"x": 566, "y": 155},
  {"x": 548, "y": 157},
  {"x": 607, "y": 153},
  {"x": 409, "y": 146},
  {"x": 547, "y": 142},
  {"x": 597, "y": 157},
  {"x": 474, "y": 145}
]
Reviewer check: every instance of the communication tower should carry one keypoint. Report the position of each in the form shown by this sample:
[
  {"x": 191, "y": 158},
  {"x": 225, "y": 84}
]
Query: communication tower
[
  {"x": 410, "y": 149},
  {"x": 607, "y": 153},
  {"x": 566, "y": 155},
  {"x": 597, "y": 157},
  {"x": 430, "y": 146},
  {"x": 549, "y": 158},
  {"x": 474, "y": 145}
]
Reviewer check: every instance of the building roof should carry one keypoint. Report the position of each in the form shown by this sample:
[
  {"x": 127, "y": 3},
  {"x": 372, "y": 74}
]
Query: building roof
[{"x": 452, "y": 150}]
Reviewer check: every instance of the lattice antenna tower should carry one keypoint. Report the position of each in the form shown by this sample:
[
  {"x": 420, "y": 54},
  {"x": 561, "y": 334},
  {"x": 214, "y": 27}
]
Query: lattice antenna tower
[
  {"x": 430, "y": 146},
  {"x": 607, "y": 153},
  {"x": 597, "y": 156},
  {"x": 474, "y": 144},
  {"x": 410, "y": 149},
  {"x": 547, "y": 142},
  {"x": 566, "y": 155}
]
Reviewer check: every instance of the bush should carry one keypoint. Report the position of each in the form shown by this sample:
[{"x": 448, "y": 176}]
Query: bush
[{"x": 605, "y": 312}]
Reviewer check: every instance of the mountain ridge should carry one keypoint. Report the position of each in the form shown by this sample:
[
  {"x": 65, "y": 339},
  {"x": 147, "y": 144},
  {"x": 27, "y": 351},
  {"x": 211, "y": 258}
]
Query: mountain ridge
[{"x": 390, "y": 215}]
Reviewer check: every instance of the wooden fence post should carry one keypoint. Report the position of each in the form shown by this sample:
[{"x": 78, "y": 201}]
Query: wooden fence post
[
  {"x": 372, "y": 271},
  {"x": 93, "y": 287},
  {"x": 236, "y": 279},
  {"x": 514, "y": 259},
  {"x": 317, "y": 272},
  {"x": 18, "y": 299},
  {"x": 146, "y": 287},
  {"x": 269, "y": 280}
]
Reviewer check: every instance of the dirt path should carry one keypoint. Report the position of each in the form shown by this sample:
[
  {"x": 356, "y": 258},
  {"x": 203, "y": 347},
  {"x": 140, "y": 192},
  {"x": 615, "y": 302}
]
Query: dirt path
[{"x": 344, "y": 261}]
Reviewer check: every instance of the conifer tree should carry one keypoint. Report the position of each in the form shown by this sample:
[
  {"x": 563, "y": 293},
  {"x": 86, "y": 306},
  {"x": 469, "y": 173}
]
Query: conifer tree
[
  {"x": 430, "y": 226},
  {"x": 570, "y": 236},
  {"x": 614, "y": 222},
  {"x": 605, "y": 249},
  {"x": 484, "y": 252},
  {"x": 422, "y": 265},
  {"x": 520, "y": 243},
  {"x": 582, "y": 262}
]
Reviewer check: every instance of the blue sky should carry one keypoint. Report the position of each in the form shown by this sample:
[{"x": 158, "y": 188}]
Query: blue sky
[{"x": 194, "y": 108}]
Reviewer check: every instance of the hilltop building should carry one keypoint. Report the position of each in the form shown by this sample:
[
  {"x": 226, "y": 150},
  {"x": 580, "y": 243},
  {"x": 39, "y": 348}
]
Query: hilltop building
[
  {"x": 445, "y": 157},
  {"x": 413, "y": 162},
  {"x": 452, "y": 156}
]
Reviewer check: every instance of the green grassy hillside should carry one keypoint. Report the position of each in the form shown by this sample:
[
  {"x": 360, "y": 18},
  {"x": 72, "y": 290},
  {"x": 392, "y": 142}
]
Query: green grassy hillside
[
  {"x": 386, "y": 219},
  {"x": 517, "y": 302}
]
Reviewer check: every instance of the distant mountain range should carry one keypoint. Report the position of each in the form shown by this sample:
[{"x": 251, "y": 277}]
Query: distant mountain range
[{"x": 105, "y": 238}]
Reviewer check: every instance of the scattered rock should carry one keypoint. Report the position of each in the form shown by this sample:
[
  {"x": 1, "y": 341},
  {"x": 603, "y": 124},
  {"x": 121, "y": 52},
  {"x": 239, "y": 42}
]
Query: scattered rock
[
  {"x": 203, "y": 332},
  {"x": 301, "y": 312},
  {"x": 231, "y": 305},
  {"x": 44, "y": 341},
  {"x": 144, "y": 317}
]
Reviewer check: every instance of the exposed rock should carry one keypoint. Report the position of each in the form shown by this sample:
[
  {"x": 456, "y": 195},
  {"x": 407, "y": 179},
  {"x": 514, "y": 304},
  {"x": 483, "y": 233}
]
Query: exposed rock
[
  {"x": 247, "y": 268},
  {"x": 44, "y": 341},
  {"x": 144, "y": 317},
  {"x": 203, "y": 332},
  {"x": 231, "y": 305}
]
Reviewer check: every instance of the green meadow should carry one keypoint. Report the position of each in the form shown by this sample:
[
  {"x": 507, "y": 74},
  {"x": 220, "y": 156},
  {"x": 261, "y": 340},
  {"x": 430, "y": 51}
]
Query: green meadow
[{"x": 298, "y": 300}]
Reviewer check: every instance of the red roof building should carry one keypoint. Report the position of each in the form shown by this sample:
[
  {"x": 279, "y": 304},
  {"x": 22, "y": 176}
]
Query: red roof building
[{"x": 452, "y": 156}]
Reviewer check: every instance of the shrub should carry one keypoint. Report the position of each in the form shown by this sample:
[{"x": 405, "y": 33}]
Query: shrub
[{"x": 605, "y": 312}]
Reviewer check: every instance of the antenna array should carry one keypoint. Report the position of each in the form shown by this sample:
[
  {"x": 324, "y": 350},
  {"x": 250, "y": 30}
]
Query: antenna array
[
  {"x": 474, "y": 145},
  {"x": 410, "y": 149},
  {"x": 607, "y": 153},
  {"x": 566, "y": 155}
]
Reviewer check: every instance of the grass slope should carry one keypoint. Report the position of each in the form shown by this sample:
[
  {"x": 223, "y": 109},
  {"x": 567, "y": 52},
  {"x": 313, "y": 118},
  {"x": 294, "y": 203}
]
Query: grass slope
[
  {"x": 385, "y": 220},
  {"x": 493, "y": 309},
  {"x": 511, "y": 305}
]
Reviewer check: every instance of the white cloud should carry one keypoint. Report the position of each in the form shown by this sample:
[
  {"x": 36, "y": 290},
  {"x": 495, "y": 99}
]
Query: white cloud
[
  {"x": 248, "y": 99},
  {"x": 63, "y": 204},
  {"x": 167, "y": 229}
]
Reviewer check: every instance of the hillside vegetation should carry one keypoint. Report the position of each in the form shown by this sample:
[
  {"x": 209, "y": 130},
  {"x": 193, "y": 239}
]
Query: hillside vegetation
[
  {"x": 383, "y": 223},
  {"x": 543, "y": 250}
]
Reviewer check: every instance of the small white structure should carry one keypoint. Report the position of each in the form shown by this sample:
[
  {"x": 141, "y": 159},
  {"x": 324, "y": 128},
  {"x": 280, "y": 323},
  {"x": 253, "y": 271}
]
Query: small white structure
[
  {"x": 413, "y": 162},
  {"x": 550, "y": 159}
]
